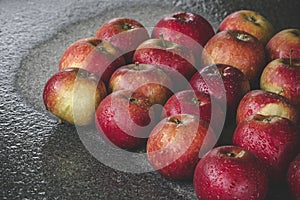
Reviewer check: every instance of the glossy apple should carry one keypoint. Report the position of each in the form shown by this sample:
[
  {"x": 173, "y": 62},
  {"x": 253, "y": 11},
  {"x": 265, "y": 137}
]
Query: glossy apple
[
  {"x": 188, "y": 29},
  {"x": 223, "y": 82},
  {"x": 175, "y": 144},
  {"x": 230, "y": 172},
  {"x": 94, "y": 55},
  {"x": 124, "y": 33},
  {"x": 293, "y": 177},
  {"x": 282, "y": 76},
  {"x": 73, "y": 95},
  {"x": 266, "y": 103},
  {"x": 124, "y": 119},
  {"x": 176, "y": 60},
  {"x": 238, "y": 49},
  {"x": 149, "y": 80},
  {"x": 273, "y": 139},
  {"x": 251, "y": 22},
  {"x": 281, "y": 44},
  {"x": 194, "y": 103}
]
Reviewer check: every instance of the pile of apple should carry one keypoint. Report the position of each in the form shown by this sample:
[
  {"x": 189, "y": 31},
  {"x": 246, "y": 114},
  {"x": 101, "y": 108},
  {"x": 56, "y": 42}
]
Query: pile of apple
[{"x": 179, "y": 89}]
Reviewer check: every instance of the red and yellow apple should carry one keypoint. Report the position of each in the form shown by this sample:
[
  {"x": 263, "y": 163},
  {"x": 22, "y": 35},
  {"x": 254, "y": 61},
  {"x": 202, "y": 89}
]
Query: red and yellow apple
[
  {"x": 251, "y": 22},
  {"x": 73, "y": 95}
]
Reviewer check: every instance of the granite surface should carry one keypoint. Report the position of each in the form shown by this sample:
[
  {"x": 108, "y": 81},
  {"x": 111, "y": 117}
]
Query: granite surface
[{"x": 41, "y": 159}]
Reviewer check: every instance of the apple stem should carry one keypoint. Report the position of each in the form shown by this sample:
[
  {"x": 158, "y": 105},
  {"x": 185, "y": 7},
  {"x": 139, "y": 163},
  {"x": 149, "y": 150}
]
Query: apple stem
[
  {"x": 137, "y": 65},
  {"x": 175, "y": 120},
  {"x": 161, "y": 36},
  {"x": 291, "y": 53}
]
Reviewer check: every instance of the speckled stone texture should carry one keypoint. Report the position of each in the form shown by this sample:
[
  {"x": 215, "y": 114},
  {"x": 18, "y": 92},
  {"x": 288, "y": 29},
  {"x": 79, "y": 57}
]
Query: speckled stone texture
[{"x": 41, "y": 159}]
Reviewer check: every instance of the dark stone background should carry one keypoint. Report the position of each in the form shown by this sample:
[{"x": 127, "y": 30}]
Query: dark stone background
[{"x": 43, "y": 160}]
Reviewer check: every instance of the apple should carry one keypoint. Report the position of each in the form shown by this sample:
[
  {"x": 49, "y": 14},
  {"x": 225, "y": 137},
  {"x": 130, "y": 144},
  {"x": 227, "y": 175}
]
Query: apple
[
  {"x": 282, "y": 76},
  {"x": 266, "y": 103},
  {"x": 282, "y": 43},
  {"x": 273, "y": 139},
  {"x": 175, "y": 59},
  {"x": 238, "y": 49},
  {"x": 147, "y": 79},
  {"x": 188, "y": 29},
  {"x": 176, "y": 144},
  {"x": 124, "y": 33},
  {"x": 94, "y": 55},
  {"x": 73, "y": 95},
  {"x": 230, "y": 172},
  {"x": 251, "y": 22},
  {"x": 223, "y": 82},
  {"x": 194, "y": 103},
  {"x": 293, "y": 177},
  {"x": 123, "y": 118}
]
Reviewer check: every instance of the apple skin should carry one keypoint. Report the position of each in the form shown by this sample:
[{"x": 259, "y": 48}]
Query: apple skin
[
  {"x": 224, "y": 83},
  {"x": 238, "y": 49},
  {"x": 124, "y": 119},
  {"x": 280, "y": 77},
  {"x": 147, "y": 79},
  {"x": 94, "y": 55},
  {"x": 176, "y": 143},
  {"x": 266, "y": 103},
  {"x": 251, "y": 22},
  {"x": 293, "y": 177},
  {"x": 273, "y": 139},
  {"x": 193, "y": 103},
  {"x": 188, "y": 29},
  {"x": 230, "y": 172},
  {"x": 175, "y": 59},
  {"x": 71, "y": 87},
  {"x": 124, "y": 33},
  {"x": 281, "y": 44}
]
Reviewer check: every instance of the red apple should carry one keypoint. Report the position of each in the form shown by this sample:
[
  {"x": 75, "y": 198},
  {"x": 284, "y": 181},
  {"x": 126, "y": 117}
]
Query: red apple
[
  {"x": 175, "y": 143},
  {"x": 293, "y": 177},
  {"x": 238, "y": 49},
  {"x": 94, "y": 55},
  {"x": 223, "y": 82},
  {"x": 176, "y": 59},
  {"x": 188, "y": 29},
  {"x": 124, "y": 33},
  {"x": 194, "y": 103},
  {"x": 251, "y": 22},
  {"x": 73, "y": 95},
  {"x": 147, "y": 79},
  {"x": 273, "y": 139},
  {"x": 281, "y": 44},
  {"x": 266, "y": 103},
  {"x": 230, "y": 172},
  {"x": 282, "y": 76},
  {"x": 124, "y": 119}
]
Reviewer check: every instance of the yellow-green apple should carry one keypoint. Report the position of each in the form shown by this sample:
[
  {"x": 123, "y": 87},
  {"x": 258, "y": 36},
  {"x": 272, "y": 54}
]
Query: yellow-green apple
[
  {"x": 176, "y": 144},
  {"x": 238, "y": 49},
  {"x": 293, "y": 177},
  {"x": 188, "y": 29},
  {"x": 73, "y": 95},
  {"x": 230, "y": 172},
  {"x": 251, "y": 22},
  {"x": 194, "y": 103},
  {"x": 177, "y": 60},
  {"x": 123, "y": 118},
  {"x": 273, "y": 139},
  {"x": 282, "y": 76},
  {"x": 94, "y": 55},
  {"x": 124, "y": 33},
  {"x": 223, "y": 82},
  {"x": 282, "y": 43},
  {"x": 147, "y": 79},
  {"x": 266, "y": 103}
]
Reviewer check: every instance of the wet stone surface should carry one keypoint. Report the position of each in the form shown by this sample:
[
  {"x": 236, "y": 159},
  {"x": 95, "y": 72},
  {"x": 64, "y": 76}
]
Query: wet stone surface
[{"x": 43, "y": 159}]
